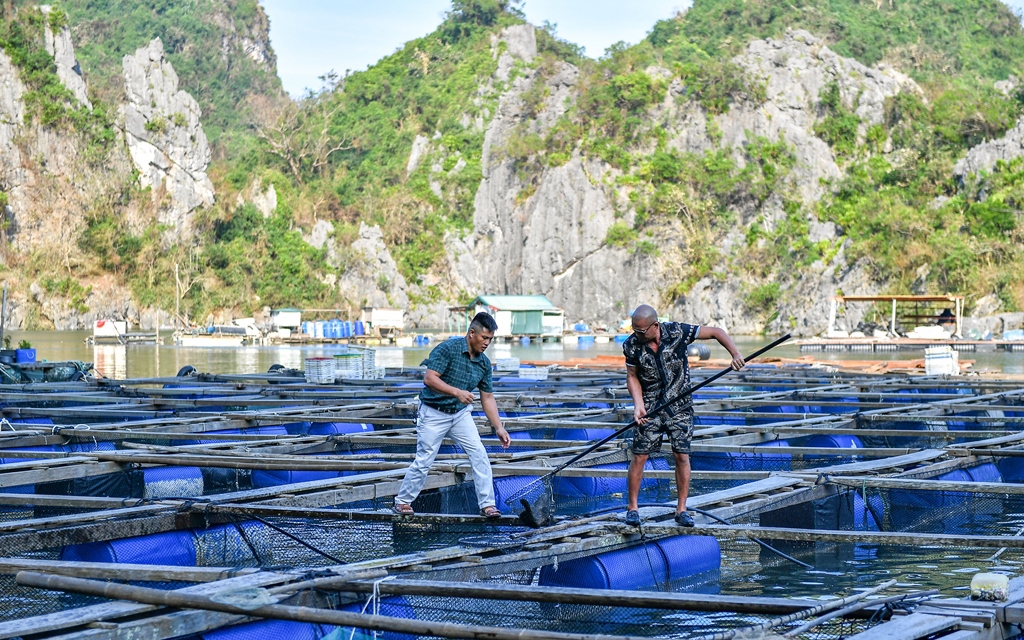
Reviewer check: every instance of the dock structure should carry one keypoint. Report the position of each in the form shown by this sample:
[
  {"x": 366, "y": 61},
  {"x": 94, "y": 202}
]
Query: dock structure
[{"x": 240, "y": 505}]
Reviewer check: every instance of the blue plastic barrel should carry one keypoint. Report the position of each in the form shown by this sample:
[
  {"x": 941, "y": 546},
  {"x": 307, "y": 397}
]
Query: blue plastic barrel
[
  {"x": 638, "y": 567},
  {"x": 603, "y": 487},
  {"x": 524, "y": 341},
  {"x": 392, "y": 606},
  {"x": 866, "y": 519},
  {"x": 270, "y": 630},
  {"x": 505, "y": 487},
  {"x": 270, "y": 429},
  {"x": 591, "y": 434},
  {"x": 837, "y": 441},
  {"x": 359, "y": 328},
  {"x": 175, "y": 548},
  {"x": 987, "y": 472},
  {"x": 622, "y": 337},
  {"x": 172, "y": 482},
  {"x": 328, "y": 428}
]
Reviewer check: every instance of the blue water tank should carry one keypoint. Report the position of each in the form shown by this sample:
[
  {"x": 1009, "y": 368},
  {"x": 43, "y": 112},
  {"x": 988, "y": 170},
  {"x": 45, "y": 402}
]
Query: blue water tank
[
  {"x": 638, "y": 567},
  {"x": 359, "y": 328},
  {"x": 580, "y": 327},
  {"x": 622, "y": 337}
]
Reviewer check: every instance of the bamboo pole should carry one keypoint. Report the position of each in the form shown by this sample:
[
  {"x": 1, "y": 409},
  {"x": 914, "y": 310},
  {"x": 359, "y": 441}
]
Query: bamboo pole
[
  {"x": 598, "y": 597},
  {"x": 297, "y": 614},
  {"x": 853, "y": 608},
  {"x": 800, "y": 615},
  {"x": 824, "y": 535}
]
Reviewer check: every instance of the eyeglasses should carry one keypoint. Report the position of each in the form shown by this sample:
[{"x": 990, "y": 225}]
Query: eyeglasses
[{"x": 643, "y": 332}]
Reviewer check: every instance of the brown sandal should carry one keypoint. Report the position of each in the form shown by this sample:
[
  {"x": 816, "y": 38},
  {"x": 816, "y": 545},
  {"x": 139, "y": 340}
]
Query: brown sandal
[
  {"x": 490, "y": 513},
  {"x": 404, "y": 509}
]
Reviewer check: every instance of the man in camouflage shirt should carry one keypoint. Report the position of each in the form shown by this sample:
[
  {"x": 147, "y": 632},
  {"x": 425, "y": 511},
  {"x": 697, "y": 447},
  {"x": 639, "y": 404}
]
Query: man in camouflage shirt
[{"x": 657, "y": 370}]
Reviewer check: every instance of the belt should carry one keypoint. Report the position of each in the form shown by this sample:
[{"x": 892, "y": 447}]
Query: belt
[{"x": 449, "y": 410}]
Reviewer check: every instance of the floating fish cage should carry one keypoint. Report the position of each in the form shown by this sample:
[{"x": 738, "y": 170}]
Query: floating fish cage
[{"x": 151, "y": 507}]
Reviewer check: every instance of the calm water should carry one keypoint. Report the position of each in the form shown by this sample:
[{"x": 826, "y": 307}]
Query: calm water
[{"x": 142, "y": 361}]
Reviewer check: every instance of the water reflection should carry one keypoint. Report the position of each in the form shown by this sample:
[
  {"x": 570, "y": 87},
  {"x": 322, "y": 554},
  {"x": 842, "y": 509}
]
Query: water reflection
[
  {"x": 111, "y": 360},
  {"x": 142, "y": 361}
]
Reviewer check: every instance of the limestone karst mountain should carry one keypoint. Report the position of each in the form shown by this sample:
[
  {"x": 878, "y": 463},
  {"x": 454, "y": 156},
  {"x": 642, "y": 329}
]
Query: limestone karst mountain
[{"x": 740, "y": 166}]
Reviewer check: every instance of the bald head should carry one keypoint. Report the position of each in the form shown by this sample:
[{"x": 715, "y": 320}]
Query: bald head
[{"x": 644, "y": 315}]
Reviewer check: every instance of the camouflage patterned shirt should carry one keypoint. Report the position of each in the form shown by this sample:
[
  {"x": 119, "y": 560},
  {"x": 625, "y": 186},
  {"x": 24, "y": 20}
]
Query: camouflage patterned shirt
[{"x": 665, "y": 374}]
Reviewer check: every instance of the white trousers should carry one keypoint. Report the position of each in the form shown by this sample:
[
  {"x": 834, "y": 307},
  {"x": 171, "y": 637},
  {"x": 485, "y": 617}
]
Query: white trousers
[{"x": 431, "y": 428}]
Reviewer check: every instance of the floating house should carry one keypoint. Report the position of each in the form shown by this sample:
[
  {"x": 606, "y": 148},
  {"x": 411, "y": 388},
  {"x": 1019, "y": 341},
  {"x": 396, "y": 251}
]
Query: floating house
[
  {"x": 517, "y": 315},
  {"x": 384, "y": 322},
  {"x": 286, "y": 319}
]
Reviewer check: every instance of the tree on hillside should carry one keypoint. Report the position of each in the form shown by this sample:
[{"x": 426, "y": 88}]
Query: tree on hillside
[{"x": 302, "y": 134}]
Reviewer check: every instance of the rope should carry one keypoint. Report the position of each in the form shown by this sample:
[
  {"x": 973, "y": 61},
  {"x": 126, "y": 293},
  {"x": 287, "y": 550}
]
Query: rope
[
  {"x": 647, "y": 552},
  {"x": 374, "y": 600}
]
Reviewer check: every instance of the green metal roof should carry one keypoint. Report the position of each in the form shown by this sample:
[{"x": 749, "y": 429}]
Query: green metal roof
[{"x": 515, "y": 303}]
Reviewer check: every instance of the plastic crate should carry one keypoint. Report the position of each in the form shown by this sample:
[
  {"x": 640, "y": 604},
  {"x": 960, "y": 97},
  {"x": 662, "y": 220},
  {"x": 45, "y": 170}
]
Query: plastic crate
[{"x": 320, "y": 370}]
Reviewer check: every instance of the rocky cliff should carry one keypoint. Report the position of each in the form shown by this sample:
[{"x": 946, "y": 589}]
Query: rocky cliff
[
  {"x": 554, "y": 240},
  {"x": 57, "y": 177},
  {"x": 165, "y": 138}
]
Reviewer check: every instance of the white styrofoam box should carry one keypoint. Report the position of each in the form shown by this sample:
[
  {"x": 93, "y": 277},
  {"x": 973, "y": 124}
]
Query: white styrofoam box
[
  {"x": 941, "y": 361},
  {"x": 533, "y": 373},
  {"x": 507, "y": 364}
]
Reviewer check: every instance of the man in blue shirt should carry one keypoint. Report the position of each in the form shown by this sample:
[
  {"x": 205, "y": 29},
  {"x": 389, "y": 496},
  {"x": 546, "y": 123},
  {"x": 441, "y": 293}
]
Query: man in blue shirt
[
  {"x": 657, "y": 370},
  {"x": 454, "y": 369}
]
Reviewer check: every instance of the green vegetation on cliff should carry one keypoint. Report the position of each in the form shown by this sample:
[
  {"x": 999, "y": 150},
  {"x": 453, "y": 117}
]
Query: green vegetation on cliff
[
  {"x": 340, "y": 154},
  {"x": 203, "y": 41}
]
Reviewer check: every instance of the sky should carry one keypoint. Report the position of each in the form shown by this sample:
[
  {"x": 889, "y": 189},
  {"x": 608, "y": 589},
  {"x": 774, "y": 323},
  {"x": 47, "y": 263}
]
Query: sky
[{"x": 312, "y": 37}]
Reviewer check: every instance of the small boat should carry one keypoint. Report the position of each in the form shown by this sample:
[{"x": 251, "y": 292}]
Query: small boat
[
  {"x": 106, "y": 331},
  {"x": 237, "y": 334}
]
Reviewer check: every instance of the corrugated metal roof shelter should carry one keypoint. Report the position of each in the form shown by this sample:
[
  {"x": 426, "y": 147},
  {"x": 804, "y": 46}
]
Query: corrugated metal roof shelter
[{"x": 516, "y": 315}]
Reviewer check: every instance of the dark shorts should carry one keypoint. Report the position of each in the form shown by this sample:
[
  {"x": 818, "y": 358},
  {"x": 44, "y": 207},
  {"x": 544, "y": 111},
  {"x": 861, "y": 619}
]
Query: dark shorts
[{"x": 647, "y": 437}]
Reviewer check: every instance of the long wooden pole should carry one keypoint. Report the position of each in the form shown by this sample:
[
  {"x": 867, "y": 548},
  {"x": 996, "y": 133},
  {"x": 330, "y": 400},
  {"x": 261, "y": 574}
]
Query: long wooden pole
[
  {"x": 793, "y": 617},
  {"x": 298, "y": 614},
  {"x": 600, "y": 597},
  {"x": 819, "y": 535}
]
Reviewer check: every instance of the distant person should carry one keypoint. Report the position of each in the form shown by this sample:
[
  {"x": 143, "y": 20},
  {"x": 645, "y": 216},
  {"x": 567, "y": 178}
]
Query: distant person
[
  {"x": 946, "y": 320},
  {"x": 657, "y": 370},
  {"x": 454, "y": 369}
]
